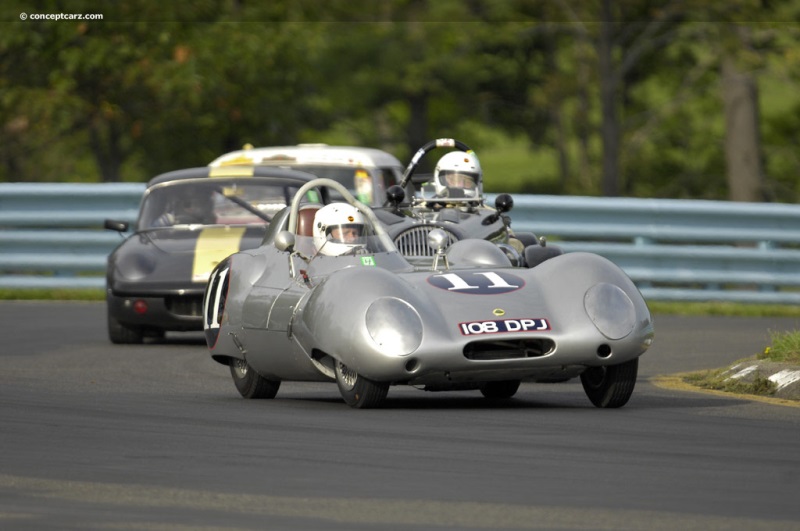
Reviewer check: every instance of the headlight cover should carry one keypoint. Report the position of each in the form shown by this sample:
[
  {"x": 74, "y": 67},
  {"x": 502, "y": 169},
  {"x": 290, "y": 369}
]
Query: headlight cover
[
  {"x": 136, "y": 266},
  {"x": 610, "y": 309},
  {"x": 394, "y": 325}
]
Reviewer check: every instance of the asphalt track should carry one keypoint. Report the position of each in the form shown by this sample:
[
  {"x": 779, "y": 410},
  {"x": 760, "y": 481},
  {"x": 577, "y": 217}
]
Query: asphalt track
[{"x": 97, "y": 436}]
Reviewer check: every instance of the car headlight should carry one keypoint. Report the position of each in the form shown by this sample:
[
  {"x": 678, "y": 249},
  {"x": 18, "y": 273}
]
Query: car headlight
[
  {"x": 136, "y": 266},
  {"x": 394, "y": 325},
  {"x": 610, "y": 309}
]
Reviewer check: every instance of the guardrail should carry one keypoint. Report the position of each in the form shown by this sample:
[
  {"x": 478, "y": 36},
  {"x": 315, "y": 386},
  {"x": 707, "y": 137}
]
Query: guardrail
[
  {"x": 51, "y": 236},
  {"x": 679, "y": 250}
]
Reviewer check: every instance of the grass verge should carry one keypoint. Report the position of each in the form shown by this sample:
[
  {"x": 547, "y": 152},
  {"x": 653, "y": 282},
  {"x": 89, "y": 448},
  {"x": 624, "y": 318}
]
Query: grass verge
[
  {"x": 730, "y": 309},
  {"x": 85, "y": 294},
  {"x": 785, "y": 348}
]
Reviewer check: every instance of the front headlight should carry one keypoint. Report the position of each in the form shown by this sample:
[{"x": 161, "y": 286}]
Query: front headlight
[
  {"x": 394, "y": 325},
  {"x": 136, "y": 266},
  {"x": 610, "y": 309}
]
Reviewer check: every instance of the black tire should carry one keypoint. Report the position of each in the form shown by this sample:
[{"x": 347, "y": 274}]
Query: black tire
[
  {"x": 500, "y": 390},
  {"x": 249, "y": 383},
  {"x": 612, "y": 386},
  {"x": 357, "y": 391},
  {"x": 119, "y": 334}
]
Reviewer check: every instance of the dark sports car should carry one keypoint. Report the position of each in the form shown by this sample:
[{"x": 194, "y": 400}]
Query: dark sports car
[{"x": 189, "y": 221}]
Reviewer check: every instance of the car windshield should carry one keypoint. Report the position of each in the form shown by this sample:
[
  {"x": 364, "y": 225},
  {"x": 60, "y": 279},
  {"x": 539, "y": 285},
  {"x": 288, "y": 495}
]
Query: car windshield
[
  {"x": 214, "y": 202},
  {"x": 357, "y": 180}
]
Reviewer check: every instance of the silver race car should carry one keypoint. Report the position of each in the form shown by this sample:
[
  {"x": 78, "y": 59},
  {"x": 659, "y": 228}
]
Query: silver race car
[{"x": 341, "y": 304}]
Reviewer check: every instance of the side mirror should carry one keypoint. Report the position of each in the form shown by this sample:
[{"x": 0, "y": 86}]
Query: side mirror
[
  {"x": 395, "y": 194},
  {"x": 285, "y": 241},
  {"x": 504, "y": 203},
  {"x": 119, "y": 226}
]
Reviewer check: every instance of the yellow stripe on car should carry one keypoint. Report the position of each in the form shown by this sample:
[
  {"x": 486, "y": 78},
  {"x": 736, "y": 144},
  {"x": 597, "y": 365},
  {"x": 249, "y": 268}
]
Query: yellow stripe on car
[
  {"x": 232, "y": 171},
  {"x": 213, "y": 246}
]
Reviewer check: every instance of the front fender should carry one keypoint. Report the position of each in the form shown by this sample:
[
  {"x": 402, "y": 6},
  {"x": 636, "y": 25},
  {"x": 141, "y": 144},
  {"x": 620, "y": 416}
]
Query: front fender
[{"x": 333, "y": 320}]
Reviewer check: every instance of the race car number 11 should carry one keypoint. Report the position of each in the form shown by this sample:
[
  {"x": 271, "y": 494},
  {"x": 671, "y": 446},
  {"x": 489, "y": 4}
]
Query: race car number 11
[{"x": 503, "y": 325}]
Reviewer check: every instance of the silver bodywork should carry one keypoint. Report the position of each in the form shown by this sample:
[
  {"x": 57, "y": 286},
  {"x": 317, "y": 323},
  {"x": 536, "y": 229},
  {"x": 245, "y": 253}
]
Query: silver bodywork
[{"x": 467, "y": 318}]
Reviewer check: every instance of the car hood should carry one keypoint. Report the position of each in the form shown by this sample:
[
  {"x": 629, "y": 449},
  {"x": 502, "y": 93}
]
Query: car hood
[
  {"x": 459, "y": 305},
  {"x": 176, "y": 259}
]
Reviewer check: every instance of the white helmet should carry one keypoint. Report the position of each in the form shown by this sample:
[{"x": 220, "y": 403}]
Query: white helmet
[
  {"x": 458, "y": 176},
  {"x": 339, "y": 228}
]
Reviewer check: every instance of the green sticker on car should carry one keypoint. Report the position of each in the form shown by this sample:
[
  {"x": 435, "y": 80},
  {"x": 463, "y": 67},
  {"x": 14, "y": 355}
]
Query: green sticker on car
[{"x": 368, "y": 260}]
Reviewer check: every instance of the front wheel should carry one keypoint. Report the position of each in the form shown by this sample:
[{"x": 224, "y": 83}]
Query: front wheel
[
  {"x": 611, "y": 386},
  {"x": 119, "y": 334},
  {"x": 500, "y": 390},
  {"x": 249, "y": 383},
  {"x": 357, "y": 391}
]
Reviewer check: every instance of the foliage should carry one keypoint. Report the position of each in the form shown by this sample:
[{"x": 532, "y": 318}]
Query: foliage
[
  {"x": 785, "y": 347},
  {"x": 155, "y": 86}
]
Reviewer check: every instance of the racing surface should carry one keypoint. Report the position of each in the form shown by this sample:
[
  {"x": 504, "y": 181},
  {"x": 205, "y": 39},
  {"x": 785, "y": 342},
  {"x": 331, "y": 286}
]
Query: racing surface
[{"x": 102, "y": 436}]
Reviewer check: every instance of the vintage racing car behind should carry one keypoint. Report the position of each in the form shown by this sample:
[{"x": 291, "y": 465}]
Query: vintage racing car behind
[
  {"x": 189, "y": 221},
  {"x": 421, "y": 203},
  {"x": 468, "y": 319}
]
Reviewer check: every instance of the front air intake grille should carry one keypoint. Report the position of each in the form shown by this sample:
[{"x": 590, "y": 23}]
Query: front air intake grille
[
  {"x": 414, "y": 242},
  {"x": 508, "y": 350},
  {"x": 187, "y": 305}
]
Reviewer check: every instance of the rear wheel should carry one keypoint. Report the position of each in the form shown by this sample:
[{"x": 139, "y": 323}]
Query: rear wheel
[
  {"x": 357, "y": 391},
  {"x": 120, "y": 334},
  {"x": 503, "y": 389},
  {"x": 612, "y": 386},
  {"x": 249, "y": 383}
]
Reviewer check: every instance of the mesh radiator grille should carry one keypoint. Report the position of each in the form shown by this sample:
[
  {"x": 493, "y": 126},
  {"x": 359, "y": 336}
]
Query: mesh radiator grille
[{"x": 414, "y": 241}]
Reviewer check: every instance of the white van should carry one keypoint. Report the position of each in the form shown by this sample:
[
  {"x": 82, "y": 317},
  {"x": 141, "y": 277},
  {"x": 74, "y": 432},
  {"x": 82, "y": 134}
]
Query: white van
[{"x": 367, "y": 172}]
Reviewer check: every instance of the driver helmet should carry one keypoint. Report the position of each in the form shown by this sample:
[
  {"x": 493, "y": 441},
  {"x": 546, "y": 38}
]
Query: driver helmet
[
  {"x": 339, "y": 228},
  {"x": 458, "y": 175}
]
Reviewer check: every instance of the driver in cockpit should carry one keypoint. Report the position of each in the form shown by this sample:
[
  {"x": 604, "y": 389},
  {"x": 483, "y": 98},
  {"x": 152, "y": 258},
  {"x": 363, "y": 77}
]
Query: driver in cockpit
[
  {"x": 339, "y": 228},
  {"x": 457, "y": 176}
]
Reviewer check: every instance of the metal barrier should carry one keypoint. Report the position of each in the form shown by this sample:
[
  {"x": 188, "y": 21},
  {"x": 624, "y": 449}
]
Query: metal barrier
[
  {"x": 679, "y": 250},
  {"x": 51, "y": 236}
]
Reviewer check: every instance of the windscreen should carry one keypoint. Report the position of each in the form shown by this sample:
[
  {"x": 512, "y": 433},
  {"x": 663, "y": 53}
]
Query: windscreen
[{"x": 215, "y": 202}]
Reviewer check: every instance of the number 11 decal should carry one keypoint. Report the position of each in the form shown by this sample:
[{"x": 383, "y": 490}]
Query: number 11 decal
[{"x": 477, "y": 283}]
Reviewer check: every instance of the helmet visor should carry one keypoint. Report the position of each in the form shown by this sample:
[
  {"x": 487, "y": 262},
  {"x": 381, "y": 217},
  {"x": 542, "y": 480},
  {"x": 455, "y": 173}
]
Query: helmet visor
[
  {"x": 345, "y": 233},
  {"x": 458, "y": 179}
]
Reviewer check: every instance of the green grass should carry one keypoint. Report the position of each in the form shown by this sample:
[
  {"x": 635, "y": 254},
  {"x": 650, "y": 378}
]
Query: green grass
[
  {"x": 656, "y": 307},
  {"x": 723, "y": 309},
  {"x": 785, "y": 347},
  {"x": 717, "y": 380},
  {"x": 53, "y": 294}
]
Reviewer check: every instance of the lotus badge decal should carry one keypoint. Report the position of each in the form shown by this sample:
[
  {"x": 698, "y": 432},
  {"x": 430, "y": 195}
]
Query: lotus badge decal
[{"x": 499, "y": 312}]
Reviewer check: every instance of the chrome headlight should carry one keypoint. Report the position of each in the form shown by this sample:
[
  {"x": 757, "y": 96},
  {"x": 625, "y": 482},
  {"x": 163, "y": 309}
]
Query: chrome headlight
[
  {"x": 394, "y": 325},
  {"x": 610, "y": 309}
]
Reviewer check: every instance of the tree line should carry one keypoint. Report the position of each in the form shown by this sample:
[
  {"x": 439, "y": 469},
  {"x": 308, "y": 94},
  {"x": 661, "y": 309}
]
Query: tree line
[{"x": 648, "y": 98}]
